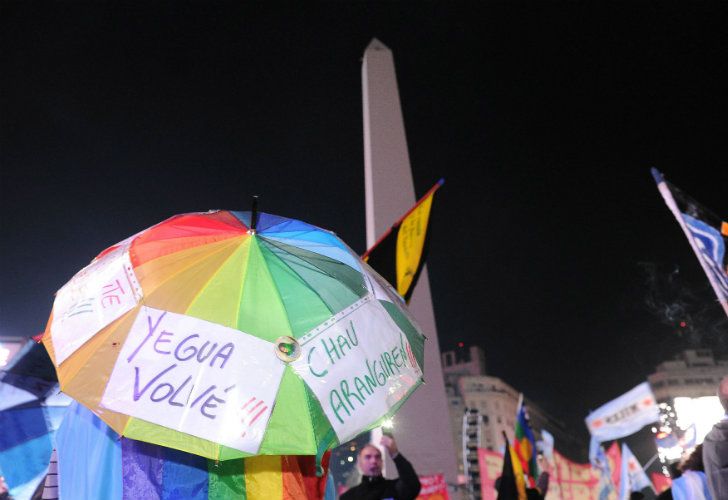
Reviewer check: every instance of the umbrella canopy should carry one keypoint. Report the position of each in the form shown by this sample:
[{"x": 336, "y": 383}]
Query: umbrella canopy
[{"x": 231, "y": 334}]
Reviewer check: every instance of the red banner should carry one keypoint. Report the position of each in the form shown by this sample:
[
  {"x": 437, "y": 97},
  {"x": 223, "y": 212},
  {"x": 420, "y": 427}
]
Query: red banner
[
  {"x": 568, "y": 480},
  {"x": 491, "y": 466},
  {"x": 614, "y": 456},
  {"x": 434, "y": 487},
  {"x": 661, "y": 482}
]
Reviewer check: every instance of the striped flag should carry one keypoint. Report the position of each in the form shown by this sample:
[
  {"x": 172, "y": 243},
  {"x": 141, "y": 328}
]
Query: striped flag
[
  {"x": 525, "y": 443},
  {"x": 707, "y": 234},
  {"x": 50, "y": 486}
]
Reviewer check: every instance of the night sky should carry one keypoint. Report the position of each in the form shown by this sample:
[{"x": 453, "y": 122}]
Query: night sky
[{"x": 550, "y": 246}]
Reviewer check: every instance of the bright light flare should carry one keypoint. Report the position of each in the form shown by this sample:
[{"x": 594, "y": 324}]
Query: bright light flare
[
  {"x": 702, "y": 412},
  {"x": 388, "y": 424},
  {"x": 4, "y": 356}
]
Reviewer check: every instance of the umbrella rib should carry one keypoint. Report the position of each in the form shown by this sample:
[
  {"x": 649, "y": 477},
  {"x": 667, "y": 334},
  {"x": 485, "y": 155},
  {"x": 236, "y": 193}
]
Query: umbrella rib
[
  {"x": 170, "y": 277},
  {"x": 278, "y": 292},
  {"x": 322, "y": 271},
  {"x": 299, "y": 276}
]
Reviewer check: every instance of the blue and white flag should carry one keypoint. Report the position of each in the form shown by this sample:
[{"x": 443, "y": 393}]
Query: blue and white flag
[
  {"x": 625, "y": 415},
  {"x": 706, "y": 233},
  {"x": 598, "y": 459},
  {"x": 632, "y": 476}
]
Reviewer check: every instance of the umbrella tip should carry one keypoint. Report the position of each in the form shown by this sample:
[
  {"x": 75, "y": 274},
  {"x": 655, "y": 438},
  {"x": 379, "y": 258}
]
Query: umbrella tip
[{"x": 254, "y": 215}]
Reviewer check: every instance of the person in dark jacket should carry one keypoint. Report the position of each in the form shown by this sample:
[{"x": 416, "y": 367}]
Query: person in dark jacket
[
  {"x": 373, "y": 486},
  {"x": 715, "y": 449}
]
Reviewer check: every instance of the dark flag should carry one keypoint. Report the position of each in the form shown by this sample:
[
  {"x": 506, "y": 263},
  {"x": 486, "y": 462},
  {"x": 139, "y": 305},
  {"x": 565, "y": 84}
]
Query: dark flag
[
  {"x": 511, "y": 485},
  {"x": 706, "y": 233},
  {"x": 400, "y": 253}
]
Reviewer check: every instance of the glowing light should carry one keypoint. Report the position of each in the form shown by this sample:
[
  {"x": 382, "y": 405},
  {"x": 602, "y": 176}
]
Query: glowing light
[
  {"x": 701, "y": 412},
  {"x": 4, "y": 355},
  {"x": 388, "y": 423},
  {"x": 350, "y": 459},
  {"x": 461, "y": 344}
]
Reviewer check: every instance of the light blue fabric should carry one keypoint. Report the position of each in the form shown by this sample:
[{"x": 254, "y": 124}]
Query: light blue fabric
[
  {"x": 330, "y": 492},
  {"x": 89, "y": 457},
  {"x": 25, "y": 465},
  {"x": 632, "y": 476},
  {"x": 323, "y": 244},
  {"x": 692, "y": 485}
]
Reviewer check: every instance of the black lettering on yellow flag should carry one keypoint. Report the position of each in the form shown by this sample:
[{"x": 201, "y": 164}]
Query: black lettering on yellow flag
[{"x": 400, "y": 253}]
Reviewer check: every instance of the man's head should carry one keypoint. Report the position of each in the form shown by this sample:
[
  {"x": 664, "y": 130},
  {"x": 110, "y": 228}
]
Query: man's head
[
  {"x": 370, "y": 461},
  {"x": 723, "y": 393}
]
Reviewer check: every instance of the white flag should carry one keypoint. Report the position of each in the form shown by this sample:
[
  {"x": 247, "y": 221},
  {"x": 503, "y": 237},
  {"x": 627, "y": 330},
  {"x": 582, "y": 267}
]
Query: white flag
[{"x": 625, "y": 415}]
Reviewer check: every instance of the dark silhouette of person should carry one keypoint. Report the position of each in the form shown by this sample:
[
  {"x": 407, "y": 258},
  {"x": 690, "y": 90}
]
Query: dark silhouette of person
[{"x": 715, "y": 449}]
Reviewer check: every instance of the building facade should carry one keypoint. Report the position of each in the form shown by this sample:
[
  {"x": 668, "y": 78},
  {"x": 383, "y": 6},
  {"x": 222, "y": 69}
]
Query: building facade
[
  {"x": 471, "y": 391},
  {"x": 694, "y": 373}
]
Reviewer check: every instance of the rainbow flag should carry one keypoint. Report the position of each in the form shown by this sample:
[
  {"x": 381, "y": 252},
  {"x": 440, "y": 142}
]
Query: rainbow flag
[
  {"x": 525, "y": 444},
  {"x": 93, "y": 462}
]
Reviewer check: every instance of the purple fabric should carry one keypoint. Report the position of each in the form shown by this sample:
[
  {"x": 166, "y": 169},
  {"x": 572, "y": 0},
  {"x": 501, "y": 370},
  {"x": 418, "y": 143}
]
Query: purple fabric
[{"x": 141, "y": 465}]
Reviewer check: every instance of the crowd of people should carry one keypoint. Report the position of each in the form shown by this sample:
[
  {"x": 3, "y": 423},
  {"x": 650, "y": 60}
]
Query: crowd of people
[{"x": 703, "y": 475}]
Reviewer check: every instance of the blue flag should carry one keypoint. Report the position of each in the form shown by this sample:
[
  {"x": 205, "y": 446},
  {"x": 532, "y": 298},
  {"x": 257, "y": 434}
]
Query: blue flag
[
  {"x": 632, "y": 476},
  {"x": 706, "y": 233}
]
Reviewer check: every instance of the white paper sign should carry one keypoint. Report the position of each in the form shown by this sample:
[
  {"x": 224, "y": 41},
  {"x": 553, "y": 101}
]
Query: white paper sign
[
  {"x": 196, "y": 377},
  {"x": 99, "y": 294},
  {"x": 359, "y": 364}
]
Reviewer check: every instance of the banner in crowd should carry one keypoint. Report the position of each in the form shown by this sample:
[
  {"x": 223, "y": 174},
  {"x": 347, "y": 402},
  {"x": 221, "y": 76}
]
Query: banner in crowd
[
  {"x": 614, "y": 459},
  {"x": 660, "y": 481},
  {"x": 434, "y": 487},
  {"x": 625, "y": 415},
  {"x": 568, "y": 480},
  {"x": 706, "y": 233}
]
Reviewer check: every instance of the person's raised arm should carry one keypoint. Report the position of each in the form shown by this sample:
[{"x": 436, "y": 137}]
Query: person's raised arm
[{"x": 408, "y": 484}]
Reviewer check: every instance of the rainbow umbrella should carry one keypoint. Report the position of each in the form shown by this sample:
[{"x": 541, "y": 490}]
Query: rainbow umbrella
[{"x": 232, "y": 334}]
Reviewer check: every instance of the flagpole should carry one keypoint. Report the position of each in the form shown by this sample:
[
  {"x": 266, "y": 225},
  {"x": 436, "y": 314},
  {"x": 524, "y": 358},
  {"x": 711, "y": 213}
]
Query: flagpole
[
  {"x": 518, "y": 406},
  {"x": 649, "y": 462},
  {"x": 399, "y": 221},
  {"x": 672, "y": 205}
]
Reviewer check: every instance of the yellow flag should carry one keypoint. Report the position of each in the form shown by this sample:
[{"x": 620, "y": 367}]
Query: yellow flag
[{"x": 411, "y": 243}]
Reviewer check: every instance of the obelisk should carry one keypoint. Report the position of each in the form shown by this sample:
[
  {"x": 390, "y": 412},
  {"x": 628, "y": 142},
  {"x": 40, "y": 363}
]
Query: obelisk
[{"x": 422, "y": 426}]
